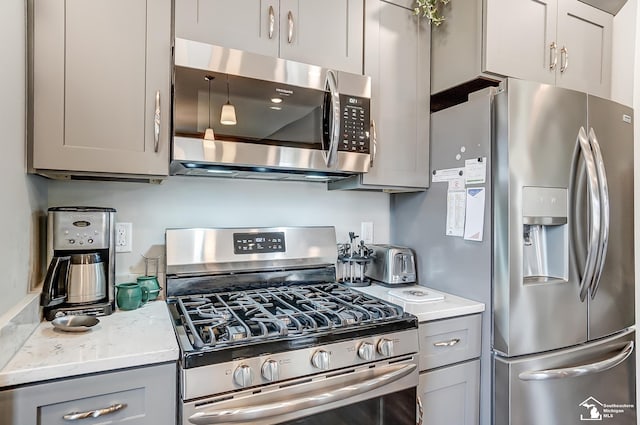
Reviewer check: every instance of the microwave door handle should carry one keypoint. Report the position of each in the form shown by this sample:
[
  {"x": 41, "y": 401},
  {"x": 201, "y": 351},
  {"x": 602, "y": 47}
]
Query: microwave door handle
[
  {"x": 604, "y": 208},
  {"x": 321, "y": 396},
  {"x": 575, "y": 371},
  {"x": 332, "y": 84},
  {"x": 594, "y": 196},
  {"x": 374, "y": 138}
]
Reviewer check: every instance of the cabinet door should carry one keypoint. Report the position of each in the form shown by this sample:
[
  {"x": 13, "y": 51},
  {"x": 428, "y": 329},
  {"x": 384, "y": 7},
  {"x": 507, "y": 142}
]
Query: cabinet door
[
  {"x": 451, "y": 395},
  {"x": 248, "y": 25},
  {"x": 518, "y": 39},
  {"x": 586, "y": 34},
  {"x": 96, "y": 74},
  {"x": 327, "y": 33},
  {"x": 397, "y": 59}
]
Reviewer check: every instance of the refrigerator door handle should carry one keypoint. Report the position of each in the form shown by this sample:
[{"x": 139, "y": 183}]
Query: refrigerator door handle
[
  {"x": 604, "y": 209},
  {"x": 575, "y": 371},
  {"x": 594, "y": 196}
]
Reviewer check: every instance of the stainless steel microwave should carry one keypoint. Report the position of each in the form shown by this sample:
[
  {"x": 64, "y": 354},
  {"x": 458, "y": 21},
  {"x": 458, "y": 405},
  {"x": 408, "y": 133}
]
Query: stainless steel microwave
[{"x": 239, "y": 114}]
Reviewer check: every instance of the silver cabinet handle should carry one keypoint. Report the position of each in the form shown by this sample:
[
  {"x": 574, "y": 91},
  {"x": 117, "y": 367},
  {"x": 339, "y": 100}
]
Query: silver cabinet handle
[
  {"x": 75, "y": 416},
  {"x": 420, "y": 412},
  {"x": 604, "y": 212},
  {"x": 307, "y": 400},
  {"x": 156, "y": 124},
  {"x": 449, "y": 343},
  {"x": 374, "y": 138},
  {"x": 594, "y": 195},
  {"x": 290, "y": 20},
  {"x": 332, "y": 85},
  {"x": 575, "y": 371},
  {"x": 564, "y": 59},
  {"x": 272, "y": 21},
  {"x": 553, "y": 55}
]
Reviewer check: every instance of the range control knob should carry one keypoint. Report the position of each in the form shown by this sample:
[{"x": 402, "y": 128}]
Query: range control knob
[
  {"x": 320, "y": 359},
  {"x": 385, "y": 347},
  {"x": 366, "y": 351},
  {"x": 243, "y": 376},
  {"x": 270, "y": 370}
]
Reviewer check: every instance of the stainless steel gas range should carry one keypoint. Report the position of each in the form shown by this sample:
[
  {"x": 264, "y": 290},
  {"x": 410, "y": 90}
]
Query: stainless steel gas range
[{"x": 267, "y": 336}]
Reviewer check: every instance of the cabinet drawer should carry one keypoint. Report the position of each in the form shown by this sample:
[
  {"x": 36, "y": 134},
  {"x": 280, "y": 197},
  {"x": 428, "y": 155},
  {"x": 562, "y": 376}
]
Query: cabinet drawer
[
  {"x": 449, "y": 341},
  {"x": 149, "y": 394}
]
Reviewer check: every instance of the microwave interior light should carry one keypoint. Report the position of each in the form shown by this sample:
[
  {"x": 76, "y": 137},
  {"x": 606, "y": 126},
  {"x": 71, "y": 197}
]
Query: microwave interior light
[{"x": 276, "y": 100}]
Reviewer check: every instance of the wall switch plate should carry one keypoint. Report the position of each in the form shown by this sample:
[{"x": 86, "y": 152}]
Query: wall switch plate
[
  {"x": 366, "y": 232},
  {"x": 123, "y": 237}
]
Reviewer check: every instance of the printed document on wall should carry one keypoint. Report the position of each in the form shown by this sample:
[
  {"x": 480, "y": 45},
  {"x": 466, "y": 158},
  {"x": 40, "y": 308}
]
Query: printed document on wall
[
  {"x": 474, "y": 221},
  {"x": 455, "y": 208}
]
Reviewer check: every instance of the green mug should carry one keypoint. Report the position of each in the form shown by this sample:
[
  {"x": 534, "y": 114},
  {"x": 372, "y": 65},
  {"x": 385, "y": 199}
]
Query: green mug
[
  {"x": 152, "y": 285},
  {"x": 131, "y": 295}
]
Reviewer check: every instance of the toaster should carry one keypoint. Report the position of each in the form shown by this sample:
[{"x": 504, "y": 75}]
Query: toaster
[{"x": 391, "y": 265}]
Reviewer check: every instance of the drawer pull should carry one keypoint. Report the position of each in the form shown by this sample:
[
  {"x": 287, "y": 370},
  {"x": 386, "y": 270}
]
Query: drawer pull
[
  {"x": 94, "y": 413},
  {"x": 450, "y": 343}
]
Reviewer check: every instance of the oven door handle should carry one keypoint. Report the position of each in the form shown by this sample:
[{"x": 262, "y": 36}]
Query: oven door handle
[{"x": 322, "y": 396}]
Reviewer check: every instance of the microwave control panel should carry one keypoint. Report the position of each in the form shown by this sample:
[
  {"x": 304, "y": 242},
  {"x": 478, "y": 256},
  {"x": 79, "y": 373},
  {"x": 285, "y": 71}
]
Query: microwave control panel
[{"x": 355, "y": 122}]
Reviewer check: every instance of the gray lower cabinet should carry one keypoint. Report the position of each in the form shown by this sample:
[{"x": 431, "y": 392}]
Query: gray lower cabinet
[
  {"x": 139, "y": 396},
  {"x": 397, "y": 58},
  {"x": 327, "y": 33},
  {"x": 451, "y": 395},
  {"x": 449, "y": 386},
  {"x": 100, "y": 78},
  {"x": 563, "y": 42}
]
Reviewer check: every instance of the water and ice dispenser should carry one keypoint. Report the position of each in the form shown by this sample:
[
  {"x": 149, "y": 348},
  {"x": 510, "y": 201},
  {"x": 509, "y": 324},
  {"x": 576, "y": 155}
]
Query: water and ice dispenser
[{"x": 545, "y": 250}]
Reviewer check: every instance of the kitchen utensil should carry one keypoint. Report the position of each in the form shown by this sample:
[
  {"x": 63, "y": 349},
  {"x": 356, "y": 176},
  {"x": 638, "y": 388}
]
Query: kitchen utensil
[
  {"x": 392, "y": 265},
  {"x": 75, "y": 279},
  {"x": 352, "y": 262},
  {"x": 131, "y": 295},
  {"x": 75, "y": 323}
]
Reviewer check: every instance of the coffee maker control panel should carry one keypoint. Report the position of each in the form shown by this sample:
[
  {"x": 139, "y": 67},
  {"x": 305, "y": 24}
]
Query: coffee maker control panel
[{"x": 81, "y": 230}]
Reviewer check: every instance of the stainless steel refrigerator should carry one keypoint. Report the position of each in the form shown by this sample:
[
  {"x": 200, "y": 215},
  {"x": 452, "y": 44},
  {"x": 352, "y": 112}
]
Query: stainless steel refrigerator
[{"x": 553, "y": 260}]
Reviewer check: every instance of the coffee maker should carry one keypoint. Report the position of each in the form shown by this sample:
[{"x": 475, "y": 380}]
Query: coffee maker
[{"x": 81, "y": 254}]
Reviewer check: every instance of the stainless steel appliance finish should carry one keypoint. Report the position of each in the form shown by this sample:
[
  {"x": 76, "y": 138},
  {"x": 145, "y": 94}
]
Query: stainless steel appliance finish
[
  {"x": 556, "y": 264},
  {"x": 81, "y": 254},
  {"x": 268, "y": 336},
  {"x": 87, "y": 280},
  {"x": 392, "y": 265},
  {"x": 317, "y": 131}
]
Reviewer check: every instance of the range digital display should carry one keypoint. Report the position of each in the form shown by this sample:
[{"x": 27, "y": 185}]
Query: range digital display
[{"x": 252, "y": 243}]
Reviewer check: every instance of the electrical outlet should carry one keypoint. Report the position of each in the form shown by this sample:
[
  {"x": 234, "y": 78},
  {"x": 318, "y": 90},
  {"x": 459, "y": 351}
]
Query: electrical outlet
[
  {"x": 366, "y": 232},
  {"x": 123, "y": 237}
]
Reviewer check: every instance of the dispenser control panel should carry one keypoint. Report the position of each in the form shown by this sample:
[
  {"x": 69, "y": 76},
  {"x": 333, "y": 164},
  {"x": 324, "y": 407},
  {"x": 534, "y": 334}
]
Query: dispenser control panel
[{"x": 253, "y": 243}]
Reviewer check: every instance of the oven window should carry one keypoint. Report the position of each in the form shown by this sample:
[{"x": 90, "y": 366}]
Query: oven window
[
  {"x": 392, "y": 409},
  {"x": 266, "y": 112}
]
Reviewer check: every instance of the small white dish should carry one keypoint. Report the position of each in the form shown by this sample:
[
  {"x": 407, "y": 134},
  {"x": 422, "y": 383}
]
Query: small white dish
[{"x": 75, "y": 323}]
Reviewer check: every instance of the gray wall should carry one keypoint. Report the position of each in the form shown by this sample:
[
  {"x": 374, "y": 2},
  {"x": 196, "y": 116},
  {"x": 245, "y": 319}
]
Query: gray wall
[
  {"x": 22, "y": 196},
  {"x": 211, "y": 202}
]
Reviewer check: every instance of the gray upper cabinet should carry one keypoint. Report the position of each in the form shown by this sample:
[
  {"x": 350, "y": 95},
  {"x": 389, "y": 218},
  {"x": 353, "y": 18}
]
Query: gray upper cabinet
[
  {"x": 562, "y": 42},
  {"x": 397, "y": 59},
  {"x": 327, "y": 33},
  {"x": 100, "y": 84}
]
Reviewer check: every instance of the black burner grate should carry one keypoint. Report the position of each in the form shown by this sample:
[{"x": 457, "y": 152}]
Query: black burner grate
[{"x": 228, "y": 318}]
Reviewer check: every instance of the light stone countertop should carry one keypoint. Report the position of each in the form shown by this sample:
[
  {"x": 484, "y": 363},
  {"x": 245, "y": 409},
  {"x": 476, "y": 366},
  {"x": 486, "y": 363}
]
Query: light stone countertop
[
  {"x": 123, "y": 339},
  {"x": 447, "y": 306}
]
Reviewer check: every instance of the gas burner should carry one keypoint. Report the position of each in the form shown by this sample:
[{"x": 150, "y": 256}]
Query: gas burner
[{"x": 222, "y": 319}]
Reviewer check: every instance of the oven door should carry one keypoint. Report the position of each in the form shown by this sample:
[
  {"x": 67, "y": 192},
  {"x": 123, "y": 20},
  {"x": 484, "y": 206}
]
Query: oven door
[
  {"x": 286, "y": 115},
  {"x": 384, "y": 393}
]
